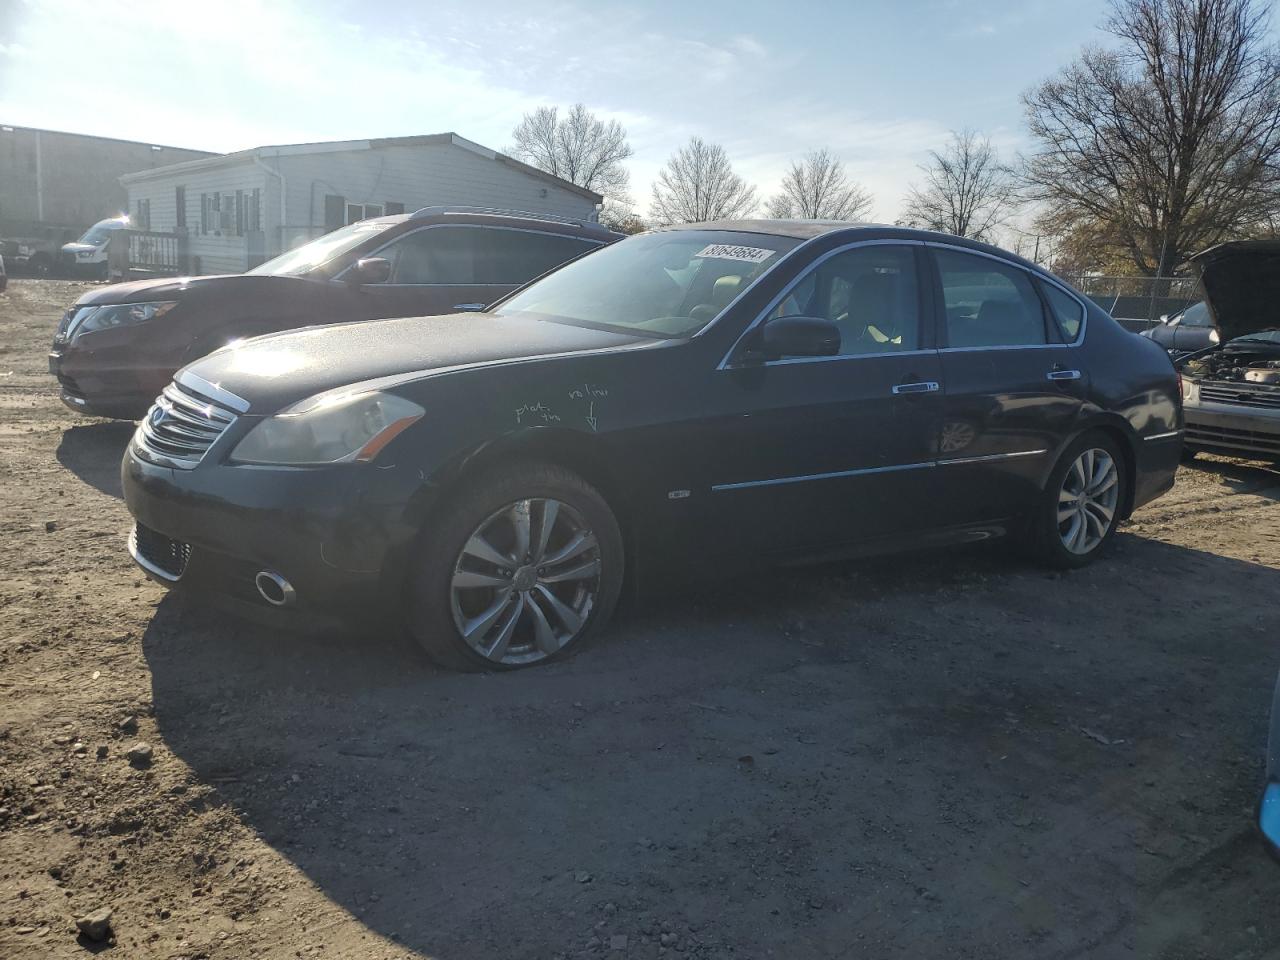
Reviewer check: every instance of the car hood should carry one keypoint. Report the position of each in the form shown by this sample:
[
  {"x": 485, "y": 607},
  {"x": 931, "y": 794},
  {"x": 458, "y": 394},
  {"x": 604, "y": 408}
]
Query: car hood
[
  {"x": 1241, "y": 284},
  {"x": 78, "y": 247},
  {"x": 277, "y": 370},
  {"x": 176, "y": 288}
]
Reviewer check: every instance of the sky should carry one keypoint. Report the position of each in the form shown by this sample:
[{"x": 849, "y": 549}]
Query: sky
[{"x": 878, "y": 83}]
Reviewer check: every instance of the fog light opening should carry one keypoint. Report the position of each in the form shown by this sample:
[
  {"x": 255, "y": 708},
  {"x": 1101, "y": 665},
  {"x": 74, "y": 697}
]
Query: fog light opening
[{"x": 274, "y": 589}]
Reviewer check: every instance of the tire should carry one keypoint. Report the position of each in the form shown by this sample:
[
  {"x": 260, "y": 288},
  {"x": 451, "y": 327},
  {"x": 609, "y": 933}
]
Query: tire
[
  {"x": 1067, "y": 542},
  {"x": 547, "y": 608}
]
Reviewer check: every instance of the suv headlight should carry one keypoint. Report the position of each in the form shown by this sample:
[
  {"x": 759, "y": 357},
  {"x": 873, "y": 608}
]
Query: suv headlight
[
  {"x": 121, "y": 315},
  {"x": 329, "y": 428}
]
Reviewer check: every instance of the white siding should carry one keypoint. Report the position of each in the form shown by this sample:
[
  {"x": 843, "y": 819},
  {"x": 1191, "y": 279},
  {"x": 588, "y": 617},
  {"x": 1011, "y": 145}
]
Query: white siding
[
  {"x": 218, "y": 250},
  {"x": 415, "y": 175}
]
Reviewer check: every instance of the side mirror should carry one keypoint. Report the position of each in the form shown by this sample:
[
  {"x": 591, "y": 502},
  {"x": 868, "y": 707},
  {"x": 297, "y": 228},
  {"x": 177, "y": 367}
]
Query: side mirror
[
  {"x": 798, "y": 337},
  {"x": 370, "y": 270},
  {"x": 1164, "y": 318}
]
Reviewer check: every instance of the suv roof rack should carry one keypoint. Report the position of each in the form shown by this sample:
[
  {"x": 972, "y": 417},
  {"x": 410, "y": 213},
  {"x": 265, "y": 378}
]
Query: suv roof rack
[{"x": 498, "y": 212}]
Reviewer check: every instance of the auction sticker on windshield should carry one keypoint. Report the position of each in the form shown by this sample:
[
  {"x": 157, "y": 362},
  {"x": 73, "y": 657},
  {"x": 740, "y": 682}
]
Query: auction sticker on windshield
[{"x": 726, "y": 251}]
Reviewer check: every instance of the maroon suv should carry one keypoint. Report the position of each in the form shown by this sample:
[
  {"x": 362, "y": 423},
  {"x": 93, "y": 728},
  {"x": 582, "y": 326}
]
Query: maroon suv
[{"x": 118, "y": 346}]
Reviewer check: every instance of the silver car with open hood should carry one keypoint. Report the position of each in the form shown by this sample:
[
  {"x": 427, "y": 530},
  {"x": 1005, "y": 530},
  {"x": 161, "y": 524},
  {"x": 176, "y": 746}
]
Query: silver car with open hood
[{"x": 1231, "y": 391}]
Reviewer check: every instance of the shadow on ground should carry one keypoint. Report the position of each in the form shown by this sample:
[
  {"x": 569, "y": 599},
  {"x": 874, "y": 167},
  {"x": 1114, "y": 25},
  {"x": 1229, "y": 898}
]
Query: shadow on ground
[
  {"x": 93, "y": 452},
  {"x": 955, "y": 756}
]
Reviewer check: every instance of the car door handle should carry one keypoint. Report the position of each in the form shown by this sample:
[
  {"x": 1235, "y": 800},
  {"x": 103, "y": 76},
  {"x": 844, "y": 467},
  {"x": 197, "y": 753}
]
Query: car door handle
[
  {"x": 925, "y": 386},
  {"x": 1063, "y": 375},
  {"x": 468, "y": 307}
]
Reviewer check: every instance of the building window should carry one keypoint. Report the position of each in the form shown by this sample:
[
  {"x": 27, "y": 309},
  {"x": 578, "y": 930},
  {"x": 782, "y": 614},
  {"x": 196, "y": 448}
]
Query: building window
[
  {"x": 362, "y": 211},
  {"x": 254, "y": 218},
  {"x": 335, "y": 209},
  {"x": 142, "y": 215},
  {"x": 394, "y": 208},
  {"x": 239, "y": 213},
  {"x": 180, "y": 207}
]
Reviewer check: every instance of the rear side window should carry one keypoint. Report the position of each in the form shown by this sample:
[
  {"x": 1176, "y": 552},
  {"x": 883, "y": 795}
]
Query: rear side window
[
  {"x": 517, "y": 256},
  {"x": 988, "y": 304},
  {"x": 1067, "y": 311}
]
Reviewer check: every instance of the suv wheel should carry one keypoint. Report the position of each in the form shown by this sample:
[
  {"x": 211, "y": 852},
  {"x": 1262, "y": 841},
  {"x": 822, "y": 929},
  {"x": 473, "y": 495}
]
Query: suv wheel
[{"x": 522, "y": 568}]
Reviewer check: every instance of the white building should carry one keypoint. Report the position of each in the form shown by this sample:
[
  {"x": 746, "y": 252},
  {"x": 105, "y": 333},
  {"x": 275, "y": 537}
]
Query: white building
[{"x": 242, "y": 208}]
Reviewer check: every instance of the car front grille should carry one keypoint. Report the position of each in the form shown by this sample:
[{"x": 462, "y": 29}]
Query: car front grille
[
  {"x": 1253, "y": 441},
  {"x": 160, "y": 554},
  {"x": 180, "y": 427},
  {"x": 1241, "y": 395}
]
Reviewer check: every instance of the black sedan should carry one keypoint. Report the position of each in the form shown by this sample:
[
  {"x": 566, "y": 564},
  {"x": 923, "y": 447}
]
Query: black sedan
[{"x": 688, "y": 401}]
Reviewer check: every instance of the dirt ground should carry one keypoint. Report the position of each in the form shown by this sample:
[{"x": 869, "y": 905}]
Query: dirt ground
[{"x": 955, "y": 756}]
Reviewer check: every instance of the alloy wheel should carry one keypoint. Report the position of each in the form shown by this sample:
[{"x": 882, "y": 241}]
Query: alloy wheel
[
  {"x": 525, "y": 581},
  {"x": 1087, "y": 501}
]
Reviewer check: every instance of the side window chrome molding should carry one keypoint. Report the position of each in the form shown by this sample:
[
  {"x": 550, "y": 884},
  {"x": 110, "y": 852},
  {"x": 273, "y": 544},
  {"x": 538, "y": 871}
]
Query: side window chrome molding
[
  {"x": 1042, "y": 276},
  {"x": 795, "y": 281}
]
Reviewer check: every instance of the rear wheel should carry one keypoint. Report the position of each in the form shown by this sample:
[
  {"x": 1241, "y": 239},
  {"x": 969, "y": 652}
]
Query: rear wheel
[
  {"x": 522, "y": 568},
  {"x": 1080, "y": 507}
]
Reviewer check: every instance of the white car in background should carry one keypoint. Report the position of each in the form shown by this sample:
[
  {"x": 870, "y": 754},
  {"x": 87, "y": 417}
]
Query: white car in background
[{"x": 87, "y": 257}]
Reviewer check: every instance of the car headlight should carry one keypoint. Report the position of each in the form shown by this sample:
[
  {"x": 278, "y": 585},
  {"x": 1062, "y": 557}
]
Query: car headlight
[
  {"x": 121, "y": 315},
  {"x": 329, "y": 428}
]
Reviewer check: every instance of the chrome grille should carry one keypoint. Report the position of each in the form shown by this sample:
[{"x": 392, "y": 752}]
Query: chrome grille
[
  {"x": 181, "y": 426},
  {"x": 1242, "y": 395}
]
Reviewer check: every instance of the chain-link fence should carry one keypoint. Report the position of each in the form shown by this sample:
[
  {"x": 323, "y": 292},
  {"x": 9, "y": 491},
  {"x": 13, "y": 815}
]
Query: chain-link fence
[{"x": 1138, "y": 302}]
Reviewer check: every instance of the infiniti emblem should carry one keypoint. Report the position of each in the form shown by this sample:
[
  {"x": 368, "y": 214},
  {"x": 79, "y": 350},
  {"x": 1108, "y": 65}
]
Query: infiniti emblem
[{"x": 157, "y": 415}]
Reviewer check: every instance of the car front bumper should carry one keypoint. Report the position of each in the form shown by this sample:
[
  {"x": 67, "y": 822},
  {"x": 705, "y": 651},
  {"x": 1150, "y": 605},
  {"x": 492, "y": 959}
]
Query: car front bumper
[
  {"x": 340, "y": 537},
  {"x": 1242, "y": 431},
  {"x": 107, "y": 381}
]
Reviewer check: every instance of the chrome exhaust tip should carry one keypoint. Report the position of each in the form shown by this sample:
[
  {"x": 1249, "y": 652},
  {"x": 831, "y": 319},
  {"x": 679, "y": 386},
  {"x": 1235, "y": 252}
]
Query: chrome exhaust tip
[{"x": 274, "y": 589}]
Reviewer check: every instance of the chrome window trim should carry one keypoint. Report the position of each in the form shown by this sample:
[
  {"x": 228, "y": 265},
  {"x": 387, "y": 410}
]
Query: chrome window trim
[
  {"x": 592, "y": 242},
  {"x": 1036, "y": 274},
  {"x": 211, "y": 390},
  {"x": 769, "y": 307},
  {"x": 846, "y": 356}
]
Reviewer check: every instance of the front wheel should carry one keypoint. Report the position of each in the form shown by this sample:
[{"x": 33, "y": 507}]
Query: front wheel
[
  {"x": 1079, "y": 510},
  {"x": 520, "y": 570}
]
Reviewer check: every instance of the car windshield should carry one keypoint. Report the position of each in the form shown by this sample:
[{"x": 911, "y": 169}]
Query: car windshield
[
  {"x": 1196, "y": 315},
  {"x": 307, "y": 257},
  {"x": 1265, "y": 336},
  {"x": 101, "y": 232},
  {"x": 664, "y": 284}
]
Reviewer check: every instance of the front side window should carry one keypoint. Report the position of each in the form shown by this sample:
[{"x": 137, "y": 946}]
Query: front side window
[
  {"x": 871, "y": 295},
  {"x": 666, "y": 284},
  {"x": 437, "y": 255},
  {"x": 988, "y": 303}
]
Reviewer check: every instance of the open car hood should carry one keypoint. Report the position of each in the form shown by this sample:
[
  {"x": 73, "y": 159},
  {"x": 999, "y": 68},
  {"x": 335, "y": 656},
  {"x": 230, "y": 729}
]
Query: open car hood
[{"x": 1241, "y": 284}]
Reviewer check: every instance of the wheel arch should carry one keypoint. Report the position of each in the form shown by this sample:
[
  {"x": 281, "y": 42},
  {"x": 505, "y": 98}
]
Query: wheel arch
[
  {"x": 1120, "y": 431},
  {"x": 590, "y": 456}
]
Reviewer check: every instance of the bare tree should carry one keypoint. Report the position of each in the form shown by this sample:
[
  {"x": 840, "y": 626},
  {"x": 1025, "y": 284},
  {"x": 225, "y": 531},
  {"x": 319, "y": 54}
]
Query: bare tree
[
  {"x": 579, "y": 147},
  {"x": 698, "y": 183},
  {"x": 817, "y": 188},
  {"x": 967, "y": 191},
  {"x": 1169, "y": 143}
]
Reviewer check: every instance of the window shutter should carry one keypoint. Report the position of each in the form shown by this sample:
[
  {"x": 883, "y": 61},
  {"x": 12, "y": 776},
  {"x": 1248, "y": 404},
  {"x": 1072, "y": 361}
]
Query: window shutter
[
  {"x": 180, "y": 206},
  {"x": 335, "y": 212},
  {"x": 239, "y": 213}
]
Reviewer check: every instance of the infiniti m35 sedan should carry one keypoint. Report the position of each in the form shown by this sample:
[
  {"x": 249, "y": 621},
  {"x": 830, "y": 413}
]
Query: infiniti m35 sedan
[{"x": 686, "y": 401}]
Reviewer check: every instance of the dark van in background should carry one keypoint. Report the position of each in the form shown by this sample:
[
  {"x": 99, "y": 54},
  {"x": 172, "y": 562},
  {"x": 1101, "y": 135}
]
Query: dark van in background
[{"x": 118, "y": 346}]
